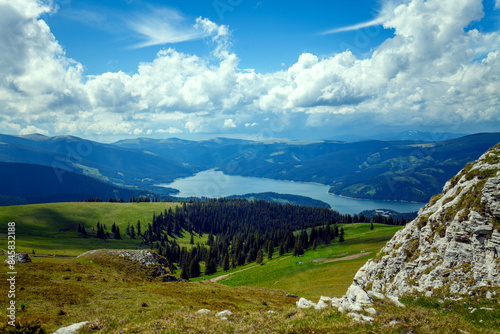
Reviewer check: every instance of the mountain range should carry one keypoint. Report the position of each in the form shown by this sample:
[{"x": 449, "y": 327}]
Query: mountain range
[{"x": 403, "y": 170}]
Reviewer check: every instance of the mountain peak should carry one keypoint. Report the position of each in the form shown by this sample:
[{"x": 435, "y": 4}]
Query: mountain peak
[{"x": 453, "y": 246}]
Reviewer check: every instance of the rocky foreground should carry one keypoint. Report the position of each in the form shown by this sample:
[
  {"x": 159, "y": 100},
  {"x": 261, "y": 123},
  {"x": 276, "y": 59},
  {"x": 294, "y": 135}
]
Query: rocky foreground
[{"x": 451, "y": 249}]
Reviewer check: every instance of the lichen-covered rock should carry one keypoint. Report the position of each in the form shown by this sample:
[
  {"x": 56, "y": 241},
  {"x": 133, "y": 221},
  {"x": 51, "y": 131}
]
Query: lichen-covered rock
[
  {"x": 453, "y": 245},
  {"x": 71, "y": 329},
  {"x": 304, "y": 303},
  {"x": 154, "y": 264},
  {"x": 19, "y": 258}
]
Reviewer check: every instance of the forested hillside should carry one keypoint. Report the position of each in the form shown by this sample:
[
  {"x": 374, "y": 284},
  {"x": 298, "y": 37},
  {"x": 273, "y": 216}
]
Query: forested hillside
[{"x": 241, "y": 232}]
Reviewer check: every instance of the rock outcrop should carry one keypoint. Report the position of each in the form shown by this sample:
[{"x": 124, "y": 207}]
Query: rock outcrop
[
  {"x": 452, "y": 247},
  {"x": 18, "y": 258},
  {"x": 155, "y": 265}
]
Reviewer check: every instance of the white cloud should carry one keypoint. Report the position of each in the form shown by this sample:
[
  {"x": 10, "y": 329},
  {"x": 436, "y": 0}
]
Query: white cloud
[
  {"x": 163, "y": 26},
  {"x": 497, "y": 4},
  {"x": 31, "y": 130},
  {"x": 374, "y": 22},
  {"x": 170, "y": 130},
  {"x": 432, "y": 72},
  {"x": 229, "y": 123}
]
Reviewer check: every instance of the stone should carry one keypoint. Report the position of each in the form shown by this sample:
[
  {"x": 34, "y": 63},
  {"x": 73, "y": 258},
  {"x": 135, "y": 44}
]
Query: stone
[
  {"x": 356, "y": 294},
  {"x": 355, "y": 307},
  {"x": 225, "y": 313},
  {"x": 488, "y": 295},
  {"x": 304, "y": 303},
  {"x": 395, "y": 300},
  {"x": 359, "y": 317},
  {"x": 371, "y": 310},
  {"x": 204, "y": 311},
  {"x": 377, "y": 295},
  {"x": 321, "y": 305},
  {"x": 19, "y": 258},
  {"x": 452, "y": 240},
  {"x": 71, "y": 329}
]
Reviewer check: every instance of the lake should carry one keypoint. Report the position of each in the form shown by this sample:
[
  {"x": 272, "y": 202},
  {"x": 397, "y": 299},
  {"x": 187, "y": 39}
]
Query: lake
[{"x": 215, "y": 184}]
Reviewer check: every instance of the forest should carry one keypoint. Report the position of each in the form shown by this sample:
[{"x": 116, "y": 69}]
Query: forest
[{"x": 239, "y": 232}]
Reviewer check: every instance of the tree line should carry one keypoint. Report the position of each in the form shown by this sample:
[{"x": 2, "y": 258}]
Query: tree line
[{"x": 238, "y": 232}]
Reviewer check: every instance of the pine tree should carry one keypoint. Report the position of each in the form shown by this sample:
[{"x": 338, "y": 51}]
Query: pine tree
[
  {"x": 194, "y": 267},
  {"x": 225, "y": 263},
  {"x": 297, "y": 249},
  {"x": 139, "y": 227},
  {"x": 132, "y": 232},
  {"x": 314, "y": 245},
  {"x": 260, "y": 257},
  {"x": 282, "y": 249},
  {"x": 192, "y": 239},
  {"x": 113, "y": 228},
  {"x": 184, "y": 272},
  {"x": 270, "y": 250},
  {"x": 341, "y": 236},
  {"x": 117, "y": 233},
  {"x": 371, "y": 226}
]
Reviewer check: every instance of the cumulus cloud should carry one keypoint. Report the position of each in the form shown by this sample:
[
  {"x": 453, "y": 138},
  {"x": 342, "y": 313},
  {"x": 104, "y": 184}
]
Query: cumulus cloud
[
  {"x": 433, "y": 71},
  {"x": 32, "y": 129},
  {"x": 170, "y": 130},
  {"x": 229, "y": 123},
  {"x": 497, "y": 4}
]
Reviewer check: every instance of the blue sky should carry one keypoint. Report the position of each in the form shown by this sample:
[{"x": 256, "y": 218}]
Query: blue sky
[
  {"x": 108, "y": 70},
  {"x": 267, "y": 35}
]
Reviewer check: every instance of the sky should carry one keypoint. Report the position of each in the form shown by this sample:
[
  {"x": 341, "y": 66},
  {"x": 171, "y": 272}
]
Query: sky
[{"x": 109, "y": 70}]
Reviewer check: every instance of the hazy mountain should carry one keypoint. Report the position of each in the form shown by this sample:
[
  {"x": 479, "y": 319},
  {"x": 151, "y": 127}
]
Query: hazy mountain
[
  {"x": 27, "y": 184},
  {"x": 109, "y": 163},
  {"x": 408, "y": 170}
]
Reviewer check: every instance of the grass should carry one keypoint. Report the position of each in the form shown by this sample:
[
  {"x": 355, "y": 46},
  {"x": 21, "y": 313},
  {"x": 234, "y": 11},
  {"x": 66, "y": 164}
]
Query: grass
[
  {"x": 57, "y": 292},
  {"x": 53, "y": 228},
  {"x": 53, "y": 292},
  {"x": 302, "y": 276}
]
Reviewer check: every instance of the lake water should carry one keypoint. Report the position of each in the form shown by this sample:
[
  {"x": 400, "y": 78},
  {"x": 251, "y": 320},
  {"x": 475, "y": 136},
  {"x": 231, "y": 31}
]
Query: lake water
[{"x": 215, "y": 184}]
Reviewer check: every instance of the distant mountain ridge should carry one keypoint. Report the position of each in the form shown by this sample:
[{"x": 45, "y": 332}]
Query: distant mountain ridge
[
  {"x": 29, "y": 184},
  {"x": 409, "y": 170}
]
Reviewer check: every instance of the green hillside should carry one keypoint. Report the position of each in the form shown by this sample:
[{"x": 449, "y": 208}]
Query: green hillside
[
  {"x": 56, "y": 292},
  {"x": 53, "y": 228},
  {"x": 327, "y": 271}
]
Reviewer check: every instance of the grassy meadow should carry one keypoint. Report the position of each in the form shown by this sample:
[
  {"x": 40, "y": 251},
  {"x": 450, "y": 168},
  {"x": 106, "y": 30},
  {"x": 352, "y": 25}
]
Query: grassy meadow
[
  {"x": 312, "y": 275},
  {"x": 52, "y": 292},
  {"x": 53, "y": 228}
]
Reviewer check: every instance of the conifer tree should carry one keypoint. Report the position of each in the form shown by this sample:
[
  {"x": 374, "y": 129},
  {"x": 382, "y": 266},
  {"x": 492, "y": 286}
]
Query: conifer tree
[
  {"x": 260, "y": 257},
  {"x": 282, "y": 249},
  {"x": 314, "y": 245},
  {"x": 270, "y": 249},
  {"x": 341, "y": 236},
  {"x": 297, "y": 249},
  {"x": 184, "y": 271},
  {"x": 225, "y": 262},
  {"x": 117, "y": 233},
  {"x": 194, "y": 267},
  {"x": 371, "y": 226},
  {"x": 132, "y": 232}
]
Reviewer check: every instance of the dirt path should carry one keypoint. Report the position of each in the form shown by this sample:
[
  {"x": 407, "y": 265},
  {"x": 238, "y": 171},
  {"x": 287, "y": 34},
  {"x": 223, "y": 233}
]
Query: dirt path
[
  {"x": 218, "y": 278},
  {"x": 345, "y": 258}
]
